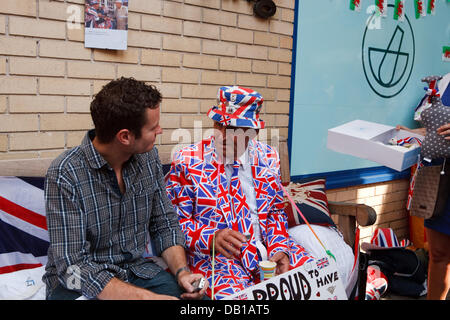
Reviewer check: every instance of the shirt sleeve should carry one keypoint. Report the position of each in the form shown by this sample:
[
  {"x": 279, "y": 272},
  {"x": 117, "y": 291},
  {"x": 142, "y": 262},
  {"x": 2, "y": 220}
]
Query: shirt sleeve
[
  {"x": 164, "y": 226},
  {"x": 69, "y": 247}
]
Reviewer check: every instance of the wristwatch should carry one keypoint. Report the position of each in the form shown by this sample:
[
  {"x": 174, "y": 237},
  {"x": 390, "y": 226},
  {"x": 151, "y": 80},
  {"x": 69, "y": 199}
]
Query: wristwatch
[{"x": 185, "y": 268}]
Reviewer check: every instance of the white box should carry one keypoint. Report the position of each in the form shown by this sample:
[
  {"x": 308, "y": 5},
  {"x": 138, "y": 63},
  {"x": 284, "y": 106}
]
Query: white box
[{"x": 362, "y": 139}]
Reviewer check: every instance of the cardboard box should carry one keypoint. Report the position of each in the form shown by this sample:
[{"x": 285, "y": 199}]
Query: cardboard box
[{"x": 368, "y": 140}]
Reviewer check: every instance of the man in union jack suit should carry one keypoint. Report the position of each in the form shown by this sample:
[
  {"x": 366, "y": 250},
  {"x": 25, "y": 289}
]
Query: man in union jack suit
[{"x": 226, "y": 191}]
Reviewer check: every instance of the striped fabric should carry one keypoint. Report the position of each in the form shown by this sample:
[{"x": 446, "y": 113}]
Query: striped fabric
[
  {"x": 23, "y": 229},
  {"x": 385, "y": 238}
]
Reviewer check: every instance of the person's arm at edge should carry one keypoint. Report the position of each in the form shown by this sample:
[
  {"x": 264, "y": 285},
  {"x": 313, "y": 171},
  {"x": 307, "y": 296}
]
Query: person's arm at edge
[{"x": 444, "y": 130}]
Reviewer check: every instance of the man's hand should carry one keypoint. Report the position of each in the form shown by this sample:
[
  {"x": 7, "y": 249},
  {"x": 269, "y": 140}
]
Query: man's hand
[
  {"x": 444, "y": 131},
  {"x": 229, "y": 242},
  {"x": 185, "y": 280},
  {"x": 282, "y": 261},
  {"x": 176, "y": 259}
]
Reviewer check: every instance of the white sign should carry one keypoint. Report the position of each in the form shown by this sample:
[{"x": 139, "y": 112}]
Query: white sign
[{"x": 316, "y": 280}]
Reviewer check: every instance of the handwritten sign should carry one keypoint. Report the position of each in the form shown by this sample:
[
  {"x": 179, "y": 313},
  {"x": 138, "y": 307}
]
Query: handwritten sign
[{"x": 316, "y": 280}]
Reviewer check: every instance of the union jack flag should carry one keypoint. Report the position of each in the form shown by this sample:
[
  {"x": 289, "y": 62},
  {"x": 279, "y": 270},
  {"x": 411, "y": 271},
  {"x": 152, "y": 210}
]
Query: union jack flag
[
  {"x": 322, "y": 263},
  {"x": 384, "y": 238},
  {"x": 23, "y": 228}
]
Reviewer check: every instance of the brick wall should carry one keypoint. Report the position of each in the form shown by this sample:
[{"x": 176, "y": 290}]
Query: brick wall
[
  {"x": 187, "y": 48},
  {"x": 387, "y": 198}
]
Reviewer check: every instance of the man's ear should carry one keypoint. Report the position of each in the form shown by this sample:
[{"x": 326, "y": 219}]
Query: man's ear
[{"x": 125, "y": 137}]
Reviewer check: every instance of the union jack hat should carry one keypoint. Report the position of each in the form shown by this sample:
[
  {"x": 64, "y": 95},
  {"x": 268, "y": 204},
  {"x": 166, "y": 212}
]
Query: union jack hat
[
  {"x": 384, "y": 238},
  {"x": 238, "y": 107}
]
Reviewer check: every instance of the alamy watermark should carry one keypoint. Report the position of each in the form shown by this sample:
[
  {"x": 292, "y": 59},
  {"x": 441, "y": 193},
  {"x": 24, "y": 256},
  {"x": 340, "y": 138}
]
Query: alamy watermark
[
  {"x": 74, "y": 19},
  {"x": 228, "y": 142},
  {"x": 73, "y": 281}
]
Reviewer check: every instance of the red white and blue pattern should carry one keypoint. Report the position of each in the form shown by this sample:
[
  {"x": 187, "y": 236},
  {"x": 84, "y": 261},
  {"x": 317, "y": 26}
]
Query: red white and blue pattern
[
  {"x": 237, "y": 107},
  {"x": 414, "y": 171},
  {"x": 409, "y": 140},
  {"x": 384, "y": 238},
  {"x": 376, "y": 284},
  {"x": 23, "y": 229},
  {"x": 310, "y": 197},
  {"x": 242, "y": 216},
  {"x": 322, "y": 263},
  {"x": 197, "y": 186}
]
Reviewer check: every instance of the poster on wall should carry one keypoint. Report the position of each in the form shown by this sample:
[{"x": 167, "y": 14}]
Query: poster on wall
[
  {"x": 316, "y": 280},
  {"x": 106, "y": 24}
]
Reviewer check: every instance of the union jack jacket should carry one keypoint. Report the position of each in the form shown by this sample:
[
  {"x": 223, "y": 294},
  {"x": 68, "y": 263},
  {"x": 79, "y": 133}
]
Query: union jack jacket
[{"x": 197, "y": 187}]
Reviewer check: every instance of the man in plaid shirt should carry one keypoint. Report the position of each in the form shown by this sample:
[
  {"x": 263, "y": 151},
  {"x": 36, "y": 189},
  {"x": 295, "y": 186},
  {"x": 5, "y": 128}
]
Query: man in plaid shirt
[{"x": 103, "y": 199}]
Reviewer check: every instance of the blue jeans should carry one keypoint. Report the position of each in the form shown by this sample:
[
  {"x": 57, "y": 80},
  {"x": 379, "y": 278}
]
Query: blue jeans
[{"x": 162, "y": 283}]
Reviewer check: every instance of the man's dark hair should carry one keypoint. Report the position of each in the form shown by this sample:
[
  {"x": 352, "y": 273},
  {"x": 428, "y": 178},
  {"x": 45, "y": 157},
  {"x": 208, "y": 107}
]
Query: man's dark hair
[{"x": 121, "y": 104}]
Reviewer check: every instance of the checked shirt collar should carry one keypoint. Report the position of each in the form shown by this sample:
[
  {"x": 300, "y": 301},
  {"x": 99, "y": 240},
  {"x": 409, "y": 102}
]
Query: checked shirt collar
[{"x": 96, "y": 160}]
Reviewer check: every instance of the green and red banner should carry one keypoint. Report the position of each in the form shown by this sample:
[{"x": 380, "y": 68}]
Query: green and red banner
[
  {"x": 420, "y": 8},
  {"x": 399, "y": 10},
  {"x": 381, "y": 7},
  {"x": 446, "y": 53},
  {"x": 355, "y": 5},
  {"x": 431, "y": 9}
]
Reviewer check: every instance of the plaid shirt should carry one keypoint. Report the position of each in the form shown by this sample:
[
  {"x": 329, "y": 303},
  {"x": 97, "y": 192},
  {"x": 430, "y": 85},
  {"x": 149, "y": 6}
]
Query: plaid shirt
[{"x": 97, "y": 233}]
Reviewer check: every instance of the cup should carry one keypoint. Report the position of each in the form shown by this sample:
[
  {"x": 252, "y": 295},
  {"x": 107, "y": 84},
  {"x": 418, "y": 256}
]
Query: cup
[{"x": 267, "y": 269}]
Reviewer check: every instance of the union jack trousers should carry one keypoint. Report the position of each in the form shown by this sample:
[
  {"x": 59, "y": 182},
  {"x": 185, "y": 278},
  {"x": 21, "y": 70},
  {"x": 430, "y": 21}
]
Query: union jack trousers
[{"x": 197, "y": 187}]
